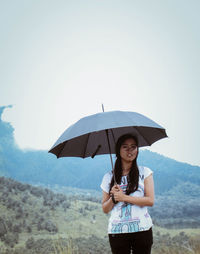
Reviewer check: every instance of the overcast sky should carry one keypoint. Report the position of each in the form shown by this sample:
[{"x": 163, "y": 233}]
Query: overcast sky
[{"x": 60, "y": 60}]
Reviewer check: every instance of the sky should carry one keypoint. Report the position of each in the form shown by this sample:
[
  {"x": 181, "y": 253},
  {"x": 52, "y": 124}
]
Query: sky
[{"x": 60, "y": 60}]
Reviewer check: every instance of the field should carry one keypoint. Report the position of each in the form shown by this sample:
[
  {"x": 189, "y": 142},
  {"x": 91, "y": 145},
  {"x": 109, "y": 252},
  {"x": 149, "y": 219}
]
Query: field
[{"x": 38, "y": 220}]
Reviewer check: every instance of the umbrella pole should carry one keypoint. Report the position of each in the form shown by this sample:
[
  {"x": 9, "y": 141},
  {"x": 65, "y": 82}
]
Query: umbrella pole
[
  {"x": 110, "y": 151},
  {"x": 111, "y": 157}
]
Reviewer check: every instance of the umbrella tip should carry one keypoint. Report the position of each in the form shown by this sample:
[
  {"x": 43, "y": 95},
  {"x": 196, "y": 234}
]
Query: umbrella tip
[{"x": 102, "y": 107}]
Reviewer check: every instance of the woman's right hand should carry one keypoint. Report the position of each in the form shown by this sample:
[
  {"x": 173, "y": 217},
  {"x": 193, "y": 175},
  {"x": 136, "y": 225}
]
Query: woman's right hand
[{"x": 114, "y": 189}]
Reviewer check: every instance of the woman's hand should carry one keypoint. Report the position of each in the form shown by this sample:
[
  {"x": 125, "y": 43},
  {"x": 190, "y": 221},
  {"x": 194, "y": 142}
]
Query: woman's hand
[
  {"x": 114, "y": 189},
  {"x": 147, "y": 199},
  {"x": 118, "y": 194}
]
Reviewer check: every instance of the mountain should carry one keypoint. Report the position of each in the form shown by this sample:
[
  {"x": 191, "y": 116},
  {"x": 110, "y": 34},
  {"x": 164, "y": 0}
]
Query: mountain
[{"x": 41, "y": 167}]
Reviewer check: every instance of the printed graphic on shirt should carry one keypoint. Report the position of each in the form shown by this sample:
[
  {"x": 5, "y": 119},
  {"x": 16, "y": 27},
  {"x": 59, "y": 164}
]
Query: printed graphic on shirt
[
  {"x": 125, "y": 227},
  {"x": 125, "y": 212},
  {"x": 126, "y": 223},
  {"x": 141, "y": 177}
]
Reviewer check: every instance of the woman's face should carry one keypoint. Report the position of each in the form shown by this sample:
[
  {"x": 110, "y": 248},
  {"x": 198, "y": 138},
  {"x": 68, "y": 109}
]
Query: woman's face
[{"x": 128, "y": 150}]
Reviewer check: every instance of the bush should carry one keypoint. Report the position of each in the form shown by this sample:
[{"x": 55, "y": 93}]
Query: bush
[
  {"x": 3, "y": 229},
  {"x": 38, "y": 192},
  {"x": 29, "y": 229},
  {"x": 17, "y": 229},
  {"x": 11, "y": 239},
  {"x": 66, "y": 205},
  {"x": 25, "y": 198},
  {"x": 51, "y": 227},
  {"x": 30, "y": 243}
]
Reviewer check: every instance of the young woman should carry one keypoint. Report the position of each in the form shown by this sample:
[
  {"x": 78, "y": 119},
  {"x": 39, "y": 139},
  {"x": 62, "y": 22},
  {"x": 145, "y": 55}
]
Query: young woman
[{"x": 130, "y": 225}]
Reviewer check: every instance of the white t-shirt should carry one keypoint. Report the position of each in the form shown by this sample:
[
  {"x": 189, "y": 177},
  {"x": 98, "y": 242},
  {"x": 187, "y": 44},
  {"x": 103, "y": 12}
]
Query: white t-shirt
[{"x": 128, "y": 218}]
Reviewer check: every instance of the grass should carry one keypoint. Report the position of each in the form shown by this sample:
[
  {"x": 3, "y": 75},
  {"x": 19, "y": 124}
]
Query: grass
[{"x": 174, "y": 232}]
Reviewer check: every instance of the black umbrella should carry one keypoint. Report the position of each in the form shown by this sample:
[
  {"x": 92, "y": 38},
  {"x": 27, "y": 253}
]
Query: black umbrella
[{"x": 97, "y": 134}]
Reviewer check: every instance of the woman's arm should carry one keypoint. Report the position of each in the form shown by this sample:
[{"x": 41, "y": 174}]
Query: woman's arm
[
  {"x": 107, "y": 203},
  {"x": 147, "y": 200}
]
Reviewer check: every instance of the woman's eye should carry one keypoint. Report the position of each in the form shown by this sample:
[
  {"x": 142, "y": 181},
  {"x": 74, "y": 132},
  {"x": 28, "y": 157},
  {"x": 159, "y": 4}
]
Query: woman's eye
[{"x": 124, "y": 147}]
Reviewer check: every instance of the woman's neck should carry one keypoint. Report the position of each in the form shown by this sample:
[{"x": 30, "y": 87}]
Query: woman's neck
[{"x": 126, "y": 168}]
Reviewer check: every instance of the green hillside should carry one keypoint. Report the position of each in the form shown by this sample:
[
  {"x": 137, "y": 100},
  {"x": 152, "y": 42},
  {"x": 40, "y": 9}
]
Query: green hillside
[
  {"x": 37, "y": 220},
  {"x": 29, "y": 213}
]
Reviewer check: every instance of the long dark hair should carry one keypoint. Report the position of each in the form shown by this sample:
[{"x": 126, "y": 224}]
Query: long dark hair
[{"x": 133, "y": 176}]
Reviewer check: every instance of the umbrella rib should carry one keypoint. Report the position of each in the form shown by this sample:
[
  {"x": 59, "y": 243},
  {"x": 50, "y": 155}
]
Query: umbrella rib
[
  {"x": 60, "y": 151},
  {"x": 113, "y": 136},
  {"x": 163, "y": 130},
  {"x": 86, "y": 145},
  {"x": 142, "y": 135}
]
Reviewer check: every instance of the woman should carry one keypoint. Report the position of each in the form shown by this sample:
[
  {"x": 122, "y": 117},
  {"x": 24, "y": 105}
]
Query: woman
[{"x": 130, "y": 225}]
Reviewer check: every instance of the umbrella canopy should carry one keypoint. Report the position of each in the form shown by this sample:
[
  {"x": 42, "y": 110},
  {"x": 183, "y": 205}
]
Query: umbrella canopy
[{"x": 97, "y": 134}]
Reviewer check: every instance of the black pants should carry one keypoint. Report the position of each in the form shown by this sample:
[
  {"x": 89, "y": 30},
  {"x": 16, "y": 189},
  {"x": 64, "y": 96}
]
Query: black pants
[{"x": 139, "y": 242}]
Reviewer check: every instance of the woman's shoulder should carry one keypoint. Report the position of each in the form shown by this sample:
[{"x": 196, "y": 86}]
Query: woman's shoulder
[
  {"x": 105, "y": 184},
  {"x": 108, "y": 175},
  {"x": 144, "y": 171}
]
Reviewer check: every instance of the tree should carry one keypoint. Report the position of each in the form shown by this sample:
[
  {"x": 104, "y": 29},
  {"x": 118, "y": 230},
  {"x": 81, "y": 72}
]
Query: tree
[
  {"x": 51, "y": 227},
  {"x": 3, "y": 228},
  {"x": 30, "y": 243},
  {"x": 11, "y": 239}
]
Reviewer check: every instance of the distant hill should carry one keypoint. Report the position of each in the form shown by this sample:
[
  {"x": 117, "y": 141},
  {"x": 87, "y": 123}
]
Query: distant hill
[{"x": 40, "y": 167}]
